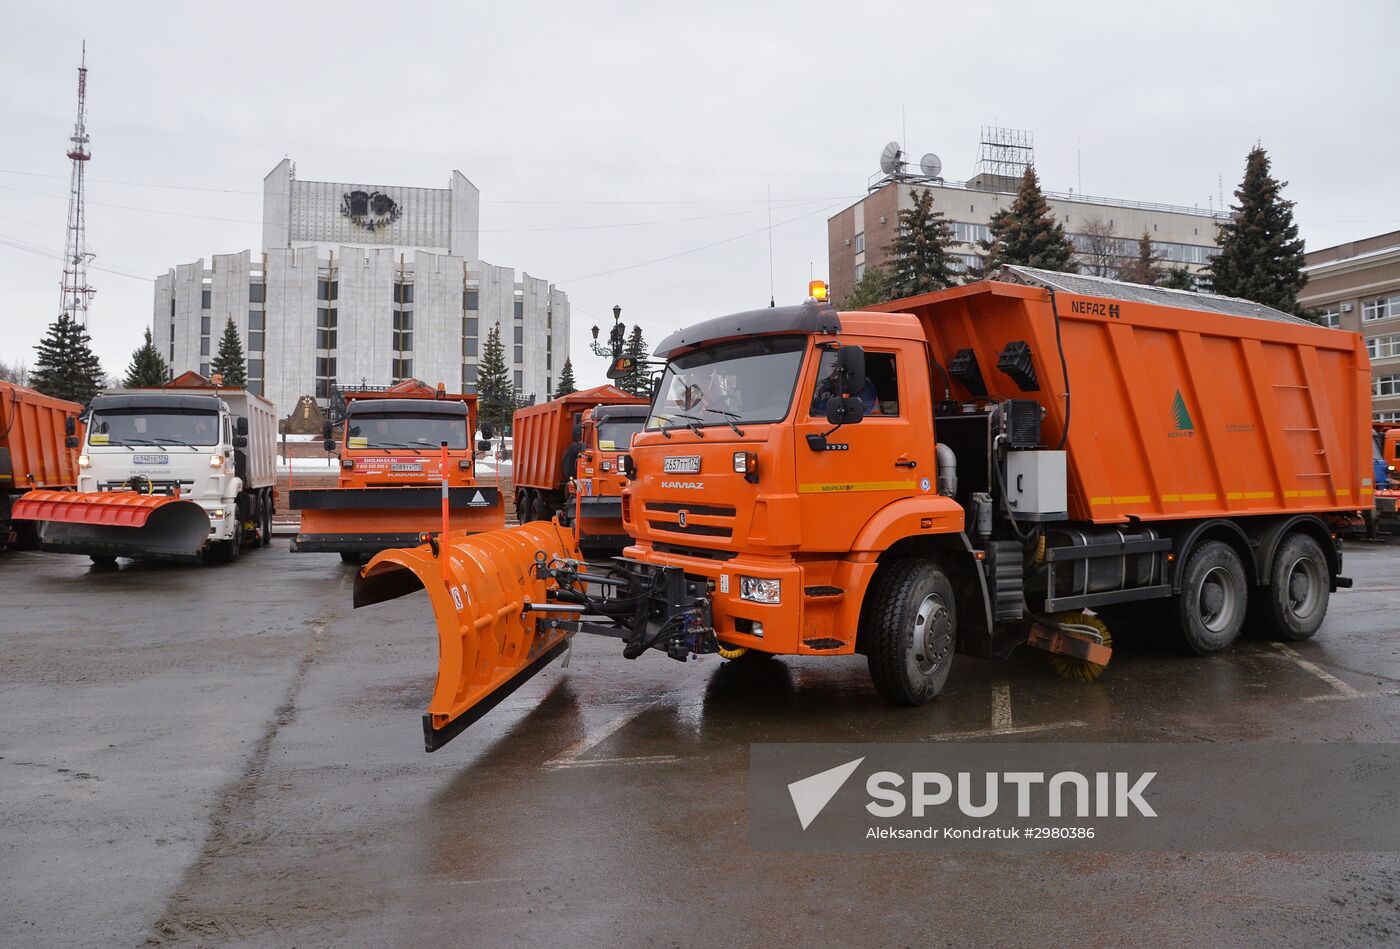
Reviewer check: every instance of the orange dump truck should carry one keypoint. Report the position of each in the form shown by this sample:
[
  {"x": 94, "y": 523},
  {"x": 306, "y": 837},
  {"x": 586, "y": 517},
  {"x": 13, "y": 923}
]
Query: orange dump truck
[
  {"x": 1040, "y": 459},
  {"x": 392, "y": 469},
  {"x": 565, "y": 461},
  {"x": 34, "y": 452}
]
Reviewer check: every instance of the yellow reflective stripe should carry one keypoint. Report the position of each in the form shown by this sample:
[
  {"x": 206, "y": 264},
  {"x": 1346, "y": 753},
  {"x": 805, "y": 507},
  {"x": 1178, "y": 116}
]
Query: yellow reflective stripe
[
  {"x": 1169, "y": 498},
  {"x": 837, "y": 487},
  {"x": 1198, "y": 497},
  {"x": 1290, "y": 494},
  {"x": 1258, "y": 495},
  {"x": 1367, "y": 491}
]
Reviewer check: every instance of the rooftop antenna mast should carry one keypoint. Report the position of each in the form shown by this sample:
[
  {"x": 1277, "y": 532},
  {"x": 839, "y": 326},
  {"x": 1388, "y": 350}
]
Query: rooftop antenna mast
[
  {"x": 772, "y": 294},
  {"x": 75, "y": 296}
]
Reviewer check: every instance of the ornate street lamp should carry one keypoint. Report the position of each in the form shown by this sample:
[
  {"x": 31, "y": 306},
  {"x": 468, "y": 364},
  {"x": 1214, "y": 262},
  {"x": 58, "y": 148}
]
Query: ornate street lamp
[{"x": 617, "y": 338}]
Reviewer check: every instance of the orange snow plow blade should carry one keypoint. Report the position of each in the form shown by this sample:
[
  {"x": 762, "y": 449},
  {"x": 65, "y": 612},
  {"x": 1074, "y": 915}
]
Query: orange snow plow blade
[
  {"x": 115, "y": 523},
  {"x": 489, "y": 642}
]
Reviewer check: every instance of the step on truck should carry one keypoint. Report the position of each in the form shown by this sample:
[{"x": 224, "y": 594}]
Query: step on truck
[
  {"x": 1040, "y": 459},
  {"x": 184, "y": 472},
  {"x": 565, "y": 463},
  {"x": 38, "y": 451},
  {"x": 400, "y": 447}
]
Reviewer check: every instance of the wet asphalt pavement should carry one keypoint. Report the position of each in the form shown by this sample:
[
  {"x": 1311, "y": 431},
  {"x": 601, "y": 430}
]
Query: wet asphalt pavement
[{"x": 233, "y": 756}]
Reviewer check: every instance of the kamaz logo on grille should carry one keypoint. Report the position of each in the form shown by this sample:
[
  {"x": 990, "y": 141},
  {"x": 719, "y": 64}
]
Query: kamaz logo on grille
[{"x": 693, "y": 485}]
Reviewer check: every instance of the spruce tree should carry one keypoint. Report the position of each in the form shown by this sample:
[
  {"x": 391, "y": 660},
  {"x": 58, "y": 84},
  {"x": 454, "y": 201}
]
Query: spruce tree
[
  {"x": 1261, "y": 254},
  {"x": 638, "y": 381},
  {"x": 493, "y": 383},
  {"x": 148, "y": 367},
  {"x": 918, "y": 255},
  {"x": 566, "y": 381},
  {"x": 228, "y": 362},
  {"x": 1178, "y": 278},
  {"x": 1146, "y": 267},
  {"x": 872, "y": 288},
  {"x": 66, "y": 367},
  {"x": 1026, "y": 233}
]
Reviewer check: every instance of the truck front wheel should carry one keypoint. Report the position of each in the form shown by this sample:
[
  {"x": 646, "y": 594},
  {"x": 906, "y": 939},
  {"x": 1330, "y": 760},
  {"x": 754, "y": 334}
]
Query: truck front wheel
[
  {"x": 910, "y": 630},
  {"x": 1208, "y": 615}
]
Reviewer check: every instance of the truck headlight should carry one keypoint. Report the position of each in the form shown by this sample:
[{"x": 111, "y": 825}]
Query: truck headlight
[
  {"x": 626, "y": 466},
  {"x": 218, "y": 514},
  {"x": 216, "y": 461},
  {"x": 759, "y": 590},
  {"x": 84, "y": 461},
  {"x": 746, "y": 464}
]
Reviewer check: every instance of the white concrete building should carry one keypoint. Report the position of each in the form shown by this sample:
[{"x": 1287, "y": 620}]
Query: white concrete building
[{"x": 362, "y": 284}]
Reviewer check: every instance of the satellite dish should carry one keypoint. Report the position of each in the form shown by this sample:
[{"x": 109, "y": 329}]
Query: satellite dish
[
  {"x": 931, "y": 165},
  {"x": 889, "y": 158}
]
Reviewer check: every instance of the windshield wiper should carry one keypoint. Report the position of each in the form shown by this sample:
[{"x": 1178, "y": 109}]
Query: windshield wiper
[
  {"x": 694, "y": 425},
  {"x": 388, "y": 445},
  {"x": 163, "y": 438},
  {"x": 128, "y": 442},
  {"x": 729, "y": 418}
]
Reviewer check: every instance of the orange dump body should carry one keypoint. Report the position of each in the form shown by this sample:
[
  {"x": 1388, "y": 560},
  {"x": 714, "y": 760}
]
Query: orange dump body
[
  {"x": 33, "y": 451},
  {"x": 542, "y": 434},
  {"x": 1173, "y": 413}
]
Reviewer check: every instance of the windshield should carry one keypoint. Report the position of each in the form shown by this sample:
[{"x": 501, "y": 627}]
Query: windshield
[
  {"x": 748, "y": 380},
  {"x": 616, "y": 434},
  {"x": 137, "y": 426},
  {"x": 371, "y": 430}
]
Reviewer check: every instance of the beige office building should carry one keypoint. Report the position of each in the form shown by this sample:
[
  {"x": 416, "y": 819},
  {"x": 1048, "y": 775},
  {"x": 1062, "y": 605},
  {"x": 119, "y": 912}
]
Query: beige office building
[{"x": 1356, "y": 286}]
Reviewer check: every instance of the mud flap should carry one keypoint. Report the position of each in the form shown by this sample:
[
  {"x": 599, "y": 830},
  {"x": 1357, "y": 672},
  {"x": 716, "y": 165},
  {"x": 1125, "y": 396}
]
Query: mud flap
[
  {"x": 489, "y": 644},
  {"x": 116, "y": 523}
]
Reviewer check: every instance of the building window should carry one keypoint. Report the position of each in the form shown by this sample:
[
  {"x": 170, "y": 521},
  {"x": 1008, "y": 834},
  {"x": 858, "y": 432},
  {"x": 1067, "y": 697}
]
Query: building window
[
  {"x": 1383, "y": 347},
  {"x": 204, "y": 300},
  {"x": 204, "y": 369},
  {"x": 203, "y": 327},
  {"x": 519, "y": 355},
  {"x": 327, "y": 289},
  {"x": 519, "y": 380},
  {"x": 860, "y": 243},
  {"x": 325, "y": 367},
  {"x": 255, "y": 320},
  {"x": 519, "y": 335},
  {"x": 1330, "y": 316},
  {"x": 325, "y": 328},
  {"x": 469, "y": 378},
  {"x": 403, "y": 331},
  {"x": 257, "y": 293},
  {"x": 469, "y": 346},
  {"x": 520, "y": 309},
  {"x": 1385, "y": 416},
  {"x": 255, "y": 386},
  {"x": 255, "y": 341},
  {"x": 549, "y": 384},
  {"x": 172, "y": 332},
  {"x": 1385, "y": 385},
  {"x": 403, "y": 369},
  {"x": 1380, "y": 309},
  {"x": 964, "y": 233},
  {"x": 403, "y": 292},
  {"x": 203, "y": 347},
  {"x": 471, "y": 327},
  {"x": 860, "y": 272},
  {"x": 471, "y": 300},
  {"x": 255, "y": 369}
]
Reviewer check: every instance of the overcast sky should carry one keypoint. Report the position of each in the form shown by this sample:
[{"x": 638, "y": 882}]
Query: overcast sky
[{"x": 626, "y": 151}]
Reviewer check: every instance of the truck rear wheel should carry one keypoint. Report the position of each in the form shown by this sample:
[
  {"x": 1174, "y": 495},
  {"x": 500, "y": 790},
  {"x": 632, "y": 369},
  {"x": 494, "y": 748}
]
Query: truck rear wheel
[
  {"x": 910, "y": 630},
  {"x": 1208, "y": 615},
  {"x": 265, "y": 528},
  {"x": 1294, "y": 604}
]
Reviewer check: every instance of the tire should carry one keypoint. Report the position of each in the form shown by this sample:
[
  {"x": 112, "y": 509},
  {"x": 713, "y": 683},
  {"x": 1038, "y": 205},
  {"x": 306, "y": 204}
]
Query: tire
[
  {"x": 267, "y": 518},
  {"x": 1294, "y": 604},
  {"x": 909, "y": 631},
  {"x": 1208, "y": 615},
  {"x": 103, "y": 560},
  {"x": 350, "y": 556}
]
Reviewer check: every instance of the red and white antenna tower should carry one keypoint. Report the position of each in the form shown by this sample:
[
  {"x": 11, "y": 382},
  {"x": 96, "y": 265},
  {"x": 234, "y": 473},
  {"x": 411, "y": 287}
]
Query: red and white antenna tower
[{"x": 75, "y": 296}]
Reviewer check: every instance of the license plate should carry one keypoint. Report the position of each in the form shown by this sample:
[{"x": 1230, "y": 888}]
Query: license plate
[
  {"x": 150, "y": 459},
  {"x": 406, "y": 468},
  {"x": 683, "y": 464}
]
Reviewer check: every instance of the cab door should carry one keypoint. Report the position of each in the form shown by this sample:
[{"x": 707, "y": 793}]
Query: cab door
[{"x": 862, "y": 467}]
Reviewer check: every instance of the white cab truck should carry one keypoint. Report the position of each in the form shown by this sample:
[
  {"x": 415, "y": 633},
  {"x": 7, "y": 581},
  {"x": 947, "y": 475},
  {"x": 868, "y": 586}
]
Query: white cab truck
[{"x": 179, "y": 473}]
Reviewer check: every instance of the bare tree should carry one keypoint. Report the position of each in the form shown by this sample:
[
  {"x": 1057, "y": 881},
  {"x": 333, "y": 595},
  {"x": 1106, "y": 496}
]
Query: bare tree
[
  {"x": 1100, "y": 253},
  {"x": 17, "y": 372}
]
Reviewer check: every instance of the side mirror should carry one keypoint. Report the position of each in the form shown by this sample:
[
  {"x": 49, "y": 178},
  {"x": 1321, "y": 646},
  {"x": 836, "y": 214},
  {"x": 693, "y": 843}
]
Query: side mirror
[
  {"x": 71, "y": 441},
  {"x": 241, "y": 426},
  {"x": 850, "y": 362},
  {"x": 488, "y": 431},
  {"x": 622, "y": 366},
  {"x": 328, "y": 444},
  {"x": 483, "y": 445},
  {"x": 70, "y": 426},
  {"x": 845, "y": 411},
  {"x": 240, "y": 441}
]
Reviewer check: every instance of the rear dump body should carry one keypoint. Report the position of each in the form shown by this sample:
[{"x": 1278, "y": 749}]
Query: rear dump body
[
  {"x": 965, "y": 471},
  {"x": 34, "y": 453},
  {"x": 544, "y": 432},
  {"x": 389, "y": 490}
]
